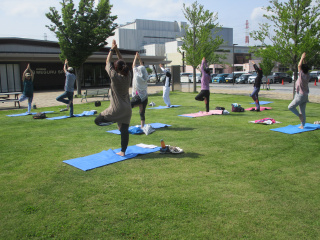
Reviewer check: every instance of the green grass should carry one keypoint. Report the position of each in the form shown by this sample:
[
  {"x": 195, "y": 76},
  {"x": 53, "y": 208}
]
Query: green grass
[{"x": 236, "y": 180}]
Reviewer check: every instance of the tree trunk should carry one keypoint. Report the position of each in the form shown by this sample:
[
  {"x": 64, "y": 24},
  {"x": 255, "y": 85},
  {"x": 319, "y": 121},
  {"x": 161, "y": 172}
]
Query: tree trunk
[
  {"x": 194, "y": 80},
  {"x": 79, "y": 75}
]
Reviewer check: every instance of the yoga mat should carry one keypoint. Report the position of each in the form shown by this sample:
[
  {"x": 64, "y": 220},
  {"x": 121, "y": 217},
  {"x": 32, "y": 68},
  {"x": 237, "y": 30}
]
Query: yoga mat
[
  {"x": 261, "y": 108},
  {"x": 164, "y": 107},
  {"x": 154, "y": 125},
  {"x": 202, "y": 114},
  {"x": 107, "y": 157},
  {"x": 262, "y": 102},
  {"x": 85, "y": 113},
  {"x": 293, "y": 129},
  {"x": 26, "y": 114}
]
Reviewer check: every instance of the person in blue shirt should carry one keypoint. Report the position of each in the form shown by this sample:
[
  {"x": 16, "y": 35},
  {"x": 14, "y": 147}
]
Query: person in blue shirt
[
  {"x": 27, "y": 79},
  {"x": 67, "y": 96}
]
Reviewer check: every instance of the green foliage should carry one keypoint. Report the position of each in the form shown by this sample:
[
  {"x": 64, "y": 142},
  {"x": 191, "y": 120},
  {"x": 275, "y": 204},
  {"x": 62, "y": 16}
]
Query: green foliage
[
  {"x": 198, "y": 41},
  {"x": 236, "y": 180},
  {"x": 81, "y": 32},
  {"x": 149, "y": 70},
  {"x": 266, "y": 53},
  {"x": 289, "y": 72},
  {"x": 295, "y": 29}
]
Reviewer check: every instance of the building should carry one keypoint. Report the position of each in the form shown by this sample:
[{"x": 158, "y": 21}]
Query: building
[
  {"x": 43, "y": 56},
  {"x": 162, "y": 38}
]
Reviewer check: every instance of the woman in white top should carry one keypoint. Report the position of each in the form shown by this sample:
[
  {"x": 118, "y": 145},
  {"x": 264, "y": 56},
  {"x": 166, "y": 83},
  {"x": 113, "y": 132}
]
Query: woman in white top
[
  {"x": 139, "y": 88},
  {"x": 166, "y": 86}
]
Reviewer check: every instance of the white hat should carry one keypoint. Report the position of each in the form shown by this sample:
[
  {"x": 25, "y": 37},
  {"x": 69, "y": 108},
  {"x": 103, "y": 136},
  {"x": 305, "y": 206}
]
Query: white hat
[{"x": 70, "y": 69}]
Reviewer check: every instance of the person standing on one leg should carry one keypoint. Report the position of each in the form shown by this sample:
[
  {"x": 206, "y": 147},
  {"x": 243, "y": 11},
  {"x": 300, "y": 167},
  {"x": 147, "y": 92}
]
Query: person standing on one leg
[
  {"x": 120, "y": 110},
  {"x": 27, "y": 79},
  {"x": 204, "y": 94},
  {"x": 166, "y": 86},
  {"x": 139, "y": 88},
  {"x": 67, "y": 96},
  {"x": 256, "y": 86},
  {"x": 302, "y": 91}
]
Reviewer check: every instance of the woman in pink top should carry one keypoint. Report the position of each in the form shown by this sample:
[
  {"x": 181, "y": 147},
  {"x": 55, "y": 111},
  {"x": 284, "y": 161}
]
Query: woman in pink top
[
  {"x": 302, "y": 91},
  {"x": 204, "y": 95}
]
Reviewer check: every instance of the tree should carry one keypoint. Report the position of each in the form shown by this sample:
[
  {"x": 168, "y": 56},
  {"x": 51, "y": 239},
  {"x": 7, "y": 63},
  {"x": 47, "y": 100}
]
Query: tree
[
  {"x": 198, "y": 41},
  {"x": 296, "y": 28},
  {"x": 81, "y": 32},
  {"x": 266, "y": 53}
]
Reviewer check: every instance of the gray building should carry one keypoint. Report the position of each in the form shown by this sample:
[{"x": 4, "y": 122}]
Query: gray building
[{"x": 140, "y": 33}]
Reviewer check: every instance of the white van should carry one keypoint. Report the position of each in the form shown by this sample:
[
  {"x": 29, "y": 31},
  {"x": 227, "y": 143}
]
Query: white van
[{"x": 316, "y": 73}]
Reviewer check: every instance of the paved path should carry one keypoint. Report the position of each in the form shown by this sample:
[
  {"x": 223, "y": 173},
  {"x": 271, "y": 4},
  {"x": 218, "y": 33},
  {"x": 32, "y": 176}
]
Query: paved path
[{"x": 278, "y": 91}]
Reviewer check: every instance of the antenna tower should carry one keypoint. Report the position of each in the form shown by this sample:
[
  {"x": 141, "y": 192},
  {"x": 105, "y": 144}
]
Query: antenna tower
[{"x": 247, "y": 33}]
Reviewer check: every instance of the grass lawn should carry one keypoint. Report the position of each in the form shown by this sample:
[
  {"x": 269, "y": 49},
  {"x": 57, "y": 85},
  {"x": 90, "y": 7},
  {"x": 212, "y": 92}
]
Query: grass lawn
[{"x": 236, "y": 180}]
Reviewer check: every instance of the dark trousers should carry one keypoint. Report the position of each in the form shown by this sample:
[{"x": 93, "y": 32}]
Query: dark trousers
[
  {"x": 124, "y": 130},
  {"x": 136, "y": 101},
  {"x": 204, "y": 94},
  {"x": 63, "y": 98}
]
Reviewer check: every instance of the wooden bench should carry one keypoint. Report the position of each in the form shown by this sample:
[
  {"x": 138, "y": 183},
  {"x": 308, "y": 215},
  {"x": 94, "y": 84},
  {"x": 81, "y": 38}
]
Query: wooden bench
[
  {"x": 103, "y": 92},
  {"x": 5, "y": 97}
]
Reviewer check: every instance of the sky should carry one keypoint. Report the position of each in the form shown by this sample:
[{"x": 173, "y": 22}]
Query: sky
[{"x": 26, "y": 18}]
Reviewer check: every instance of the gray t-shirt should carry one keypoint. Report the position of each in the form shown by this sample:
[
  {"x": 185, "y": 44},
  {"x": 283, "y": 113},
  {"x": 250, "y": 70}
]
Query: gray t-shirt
[{"x": 70, "y": 79}]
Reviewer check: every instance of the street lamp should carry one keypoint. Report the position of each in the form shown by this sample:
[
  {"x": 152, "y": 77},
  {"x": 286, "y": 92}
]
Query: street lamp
[{"x": 233, "y": 62}]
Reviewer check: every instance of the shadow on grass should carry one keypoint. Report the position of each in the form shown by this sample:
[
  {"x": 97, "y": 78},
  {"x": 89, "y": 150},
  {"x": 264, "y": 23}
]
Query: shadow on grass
[
  {"x": 157, "y": 155},
  {"x": 178, "y": 129}
]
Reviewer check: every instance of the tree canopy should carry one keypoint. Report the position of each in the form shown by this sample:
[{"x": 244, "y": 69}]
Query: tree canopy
[
  {"x": 198, "y": 41},
  {"x": 294, "y": 29},
  {"x": 81, "y": 32}
]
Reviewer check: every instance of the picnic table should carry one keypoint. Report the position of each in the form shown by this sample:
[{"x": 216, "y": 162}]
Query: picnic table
[{"x": 10, "y": 97}]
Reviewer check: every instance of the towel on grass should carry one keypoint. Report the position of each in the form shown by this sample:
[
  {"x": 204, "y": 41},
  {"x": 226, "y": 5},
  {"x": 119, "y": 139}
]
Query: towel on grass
[
  {"x": 85, "y": 113},
  {"x": 26, "y": 114},
  {"x": 293, "y": 129},
  {"x": 262, "y": 102},
  {"x": 164, "y": 107},
  {"x": 202, "y": 114},
  {"x": 108, "y": 157},
  {"x": 266, "y": 121},
  {"x": 261, "y": 108},
  {"x": 154, "y": 125}
]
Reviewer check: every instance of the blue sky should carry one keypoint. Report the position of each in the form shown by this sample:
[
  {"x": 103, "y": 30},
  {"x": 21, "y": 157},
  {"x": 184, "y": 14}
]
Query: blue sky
[{"x": 21, "y": 18}]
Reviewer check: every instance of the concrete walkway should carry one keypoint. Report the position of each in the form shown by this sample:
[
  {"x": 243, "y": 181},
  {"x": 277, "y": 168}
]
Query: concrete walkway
[{"x": 48, "y": 98}]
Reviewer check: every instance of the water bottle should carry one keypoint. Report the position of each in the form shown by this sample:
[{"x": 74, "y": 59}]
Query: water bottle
[{"x": 163, "y": 145}]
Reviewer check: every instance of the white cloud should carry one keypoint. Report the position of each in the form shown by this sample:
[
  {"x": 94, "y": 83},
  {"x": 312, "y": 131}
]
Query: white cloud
[{"x": 17, "y": 8}]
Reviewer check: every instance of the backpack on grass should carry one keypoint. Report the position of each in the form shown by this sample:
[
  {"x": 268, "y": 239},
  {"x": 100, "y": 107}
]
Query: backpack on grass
[{"x": 39, "y": 115}]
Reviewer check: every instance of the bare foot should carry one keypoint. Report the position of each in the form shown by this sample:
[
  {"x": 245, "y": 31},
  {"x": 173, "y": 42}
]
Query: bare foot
[
  {"x": 121, "y": 154},
  {"x": 301, "y": 127}
]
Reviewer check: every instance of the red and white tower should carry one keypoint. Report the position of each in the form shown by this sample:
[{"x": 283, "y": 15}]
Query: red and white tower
[{"x": 247, "y": 33}]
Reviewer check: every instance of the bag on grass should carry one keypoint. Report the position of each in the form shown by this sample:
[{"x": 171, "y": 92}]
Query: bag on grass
[
  {"x": 97, "y": 103},
  {"x": 237, "y": 107},
  {"x": 39, "y": 115}
]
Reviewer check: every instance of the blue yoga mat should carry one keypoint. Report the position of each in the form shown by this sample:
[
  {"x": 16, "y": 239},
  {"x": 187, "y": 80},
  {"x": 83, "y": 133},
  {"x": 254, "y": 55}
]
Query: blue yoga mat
[
  {"x": 85, "y": 113},
  {"x": 262, "y": 102},
  {"x": 26, "y": 114},
  {"x": 154, "y": 125},
  {"x": 107, "y": 157},
  {"x": 293, "y": 129},
  {"x": 164, "y": 107}
]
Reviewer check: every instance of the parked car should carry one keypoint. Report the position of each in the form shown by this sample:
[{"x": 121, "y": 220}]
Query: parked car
[
  {"x": 313, "y": 77},
  {"x": 198, "y": 77},
  {"x": 252, "y": 78},
  {"x": 213, "y": 75},
  {"x": 233, "y": 76},
  {"x": 184, "y": 77},
  {"x": 278, "y": 77},
  {"x": 317, "y": 73},
  {"x": 153, "y": 79},
  {"x": 220, "y": 78},
  {"x": 243, "y": 78}
]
